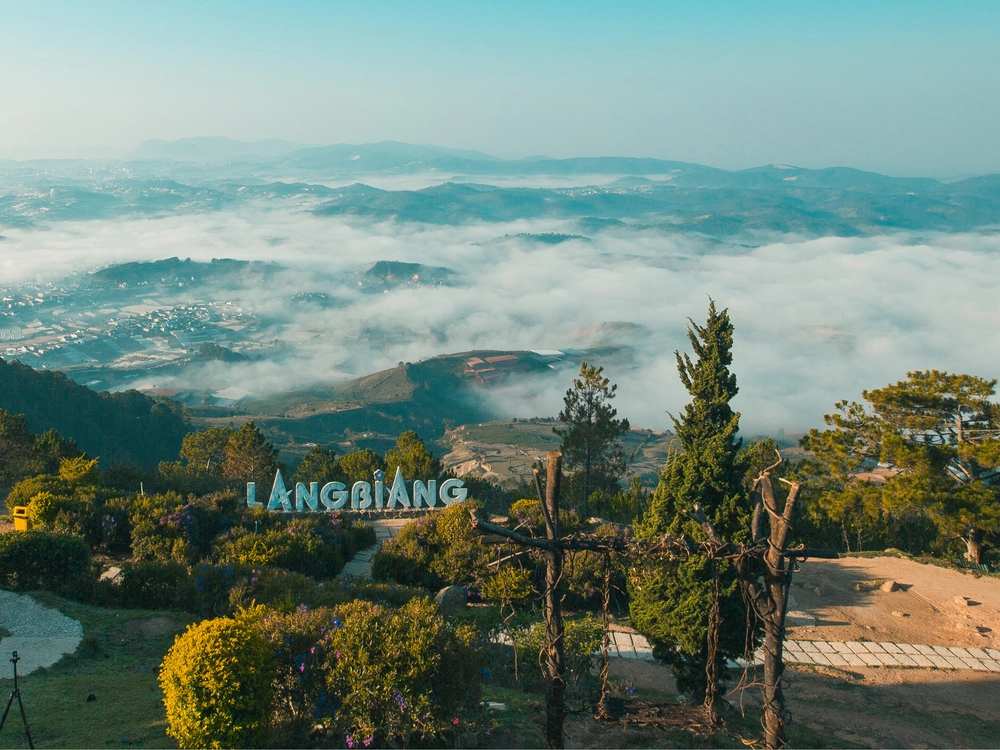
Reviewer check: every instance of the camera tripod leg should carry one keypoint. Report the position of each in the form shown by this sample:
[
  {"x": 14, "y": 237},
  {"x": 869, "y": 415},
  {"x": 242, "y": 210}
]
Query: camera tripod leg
[
  {"x": 24, "y": 718},
  {"x": 7, "y": 710}
]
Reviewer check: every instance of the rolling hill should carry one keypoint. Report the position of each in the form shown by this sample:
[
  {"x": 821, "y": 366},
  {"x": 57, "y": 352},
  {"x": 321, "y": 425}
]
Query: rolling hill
[{"x": 118, "y": 428}]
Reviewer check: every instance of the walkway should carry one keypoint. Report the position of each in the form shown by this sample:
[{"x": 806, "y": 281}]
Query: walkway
[
  {"x": 361, "y": 563},
  {"x": 629, "y": 645}
]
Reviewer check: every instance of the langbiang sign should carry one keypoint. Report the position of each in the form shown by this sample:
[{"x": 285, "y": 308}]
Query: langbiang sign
[{"x": 362, "y": 495}]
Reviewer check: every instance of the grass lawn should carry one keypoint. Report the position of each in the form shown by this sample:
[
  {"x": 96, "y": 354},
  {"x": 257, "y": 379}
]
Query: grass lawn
[{"x": 118, "y": 662}]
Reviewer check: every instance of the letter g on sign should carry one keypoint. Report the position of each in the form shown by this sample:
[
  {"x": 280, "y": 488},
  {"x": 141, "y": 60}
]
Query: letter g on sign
[{"x": 453, "y": 491}]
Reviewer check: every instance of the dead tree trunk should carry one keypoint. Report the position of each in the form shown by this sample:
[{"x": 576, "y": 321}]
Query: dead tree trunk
[
  {"x": 555, "y": 699},
  {"x": 602, "y": 708},
  {"x": 973, "y": 546},
  {"x": 712, "y": 641},
  {"x": 777, "y": 578}
]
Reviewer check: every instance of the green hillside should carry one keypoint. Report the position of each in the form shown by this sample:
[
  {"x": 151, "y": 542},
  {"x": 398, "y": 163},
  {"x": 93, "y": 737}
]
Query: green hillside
[
  {"x": 428, "y": 397},
  {"x": 119, "y": 428}
]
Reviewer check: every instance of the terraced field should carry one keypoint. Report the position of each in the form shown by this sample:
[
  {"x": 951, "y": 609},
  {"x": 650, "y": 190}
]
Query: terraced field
[{"x": 506, "y": 450}]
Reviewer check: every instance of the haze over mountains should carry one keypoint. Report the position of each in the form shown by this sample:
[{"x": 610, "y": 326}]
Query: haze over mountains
[
  {"x": 372, "y": 255},
  {"x": 437, "y": 185}
]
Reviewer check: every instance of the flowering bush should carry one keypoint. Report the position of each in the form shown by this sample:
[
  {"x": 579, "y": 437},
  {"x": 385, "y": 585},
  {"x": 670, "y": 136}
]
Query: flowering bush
[
  {"x": 371, "y": 675},
  {"x": 168, "y": 526}
]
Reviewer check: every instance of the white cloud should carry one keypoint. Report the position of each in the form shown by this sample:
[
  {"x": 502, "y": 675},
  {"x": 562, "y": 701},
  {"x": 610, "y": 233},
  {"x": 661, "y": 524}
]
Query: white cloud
[{"x": 816, "y": 320}]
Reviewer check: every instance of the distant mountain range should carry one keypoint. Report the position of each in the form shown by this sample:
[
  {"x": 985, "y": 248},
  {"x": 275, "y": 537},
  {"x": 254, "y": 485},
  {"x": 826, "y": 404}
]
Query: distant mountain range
[{"x": 207, "y": 174}]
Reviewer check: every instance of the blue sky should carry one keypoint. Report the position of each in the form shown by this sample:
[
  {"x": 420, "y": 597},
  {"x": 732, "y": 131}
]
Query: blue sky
[{"x": 899, "y": 87}]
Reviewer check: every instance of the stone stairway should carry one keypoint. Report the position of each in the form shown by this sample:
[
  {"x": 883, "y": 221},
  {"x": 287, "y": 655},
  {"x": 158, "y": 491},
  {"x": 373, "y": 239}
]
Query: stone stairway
[{"x": 361, "y": 564}]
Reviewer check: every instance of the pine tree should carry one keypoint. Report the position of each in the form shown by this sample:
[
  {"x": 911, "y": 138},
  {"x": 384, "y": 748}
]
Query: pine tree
[
  {"x": 319, "y": 465},
  {"x": 591, "y": 439},
  {"x": 250, "y": 457},
  {"x": 671, "y": 601},
  {"x": 940, "y": 432},
  {"x": 411, "y": 455}
]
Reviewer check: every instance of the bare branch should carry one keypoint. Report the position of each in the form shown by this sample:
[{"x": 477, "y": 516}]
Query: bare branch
[{"x": 697, "y": 514}]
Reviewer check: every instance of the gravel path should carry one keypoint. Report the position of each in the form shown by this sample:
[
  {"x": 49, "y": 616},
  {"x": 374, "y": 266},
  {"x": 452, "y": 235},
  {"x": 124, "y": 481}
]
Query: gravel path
[{"x": 41, "y": 636}]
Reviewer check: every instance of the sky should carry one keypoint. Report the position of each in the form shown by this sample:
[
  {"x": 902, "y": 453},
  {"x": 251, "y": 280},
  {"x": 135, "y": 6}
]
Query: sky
[{"x": 903, "y": 88}]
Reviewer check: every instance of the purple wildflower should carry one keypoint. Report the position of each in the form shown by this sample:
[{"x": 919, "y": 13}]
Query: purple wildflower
[{"x": 398, "y": 697}]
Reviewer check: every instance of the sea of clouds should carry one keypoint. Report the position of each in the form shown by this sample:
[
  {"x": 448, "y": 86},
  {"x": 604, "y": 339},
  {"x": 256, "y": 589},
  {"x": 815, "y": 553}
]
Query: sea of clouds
[{"x": 817, "y": 320}]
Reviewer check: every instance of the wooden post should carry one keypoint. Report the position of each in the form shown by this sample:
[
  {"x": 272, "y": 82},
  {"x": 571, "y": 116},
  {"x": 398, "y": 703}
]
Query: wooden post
[
  {"x": 776, "y": 581},
  {"x": 602, "y": 708},
  {"x": 555, "y": 705}
]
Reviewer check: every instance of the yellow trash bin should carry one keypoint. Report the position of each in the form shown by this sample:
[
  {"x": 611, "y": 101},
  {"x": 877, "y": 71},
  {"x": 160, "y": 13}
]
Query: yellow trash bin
[{"x": 20, "y": 518}]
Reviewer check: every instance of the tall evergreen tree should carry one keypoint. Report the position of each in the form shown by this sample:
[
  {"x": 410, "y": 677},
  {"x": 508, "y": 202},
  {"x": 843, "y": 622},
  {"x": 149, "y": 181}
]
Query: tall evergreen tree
[
  {"x": 249, "y": 457},
  {"x": 671, "y": 601},
  {"x": 591, "y": 436}
]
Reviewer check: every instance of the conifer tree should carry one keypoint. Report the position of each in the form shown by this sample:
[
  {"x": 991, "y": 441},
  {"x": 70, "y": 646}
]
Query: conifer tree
[
  {"x": 319, "y": 465},
  {"x": 671, "y": 601},
  {"x": 591, "y": 438},
  {"x": 249, "y": 457},
  {"x": 411, "y": 455}
]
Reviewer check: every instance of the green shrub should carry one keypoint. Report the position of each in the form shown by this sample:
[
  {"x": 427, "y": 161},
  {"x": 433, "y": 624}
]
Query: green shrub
[
  {"x": 299, "y": 549},
  {"x": 44, "y": 560},
  {"x": 399, "y": 676},
  {"x": 584, "y": 575},
  {"x": 435, "y": 551},
  {"x": 581, "y": 638},
  {"x": 279, "y": 589},
  {"x": 218, "y": 681},
  {"x": 316, "y": 545},
  {"x": 529, "y": 512},
  {"x": 508, "y": 584},
  {"x": 150, "y": 584},
  {"x": 349, "y": 588}
]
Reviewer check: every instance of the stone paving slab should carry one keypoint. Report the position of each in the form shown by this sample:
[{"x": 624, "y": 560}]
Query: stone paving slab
[{"x": 869, "y": 653}]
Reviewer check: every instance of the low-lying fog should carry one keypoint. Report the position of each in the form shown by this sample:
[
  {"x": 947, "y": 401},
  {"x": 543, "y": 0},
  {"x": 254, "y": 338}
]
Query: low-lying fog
[{"x": 816, "y": 320}]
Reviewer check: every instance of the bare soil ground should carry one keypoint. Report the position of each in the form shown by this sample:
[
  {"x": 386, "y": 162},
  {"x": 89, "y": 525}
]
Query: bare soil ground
[{"x": 843, "y": 600}]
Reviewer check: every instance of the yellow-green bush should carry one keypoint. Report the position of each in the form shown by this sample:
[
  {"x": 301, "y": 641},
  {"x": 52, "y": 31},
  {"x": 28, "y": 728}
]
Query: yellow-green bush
[
  {"x": 217, "y": 682},
  {"x": 435, "y": 551},
  {"x": 399, "y": 676}
]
